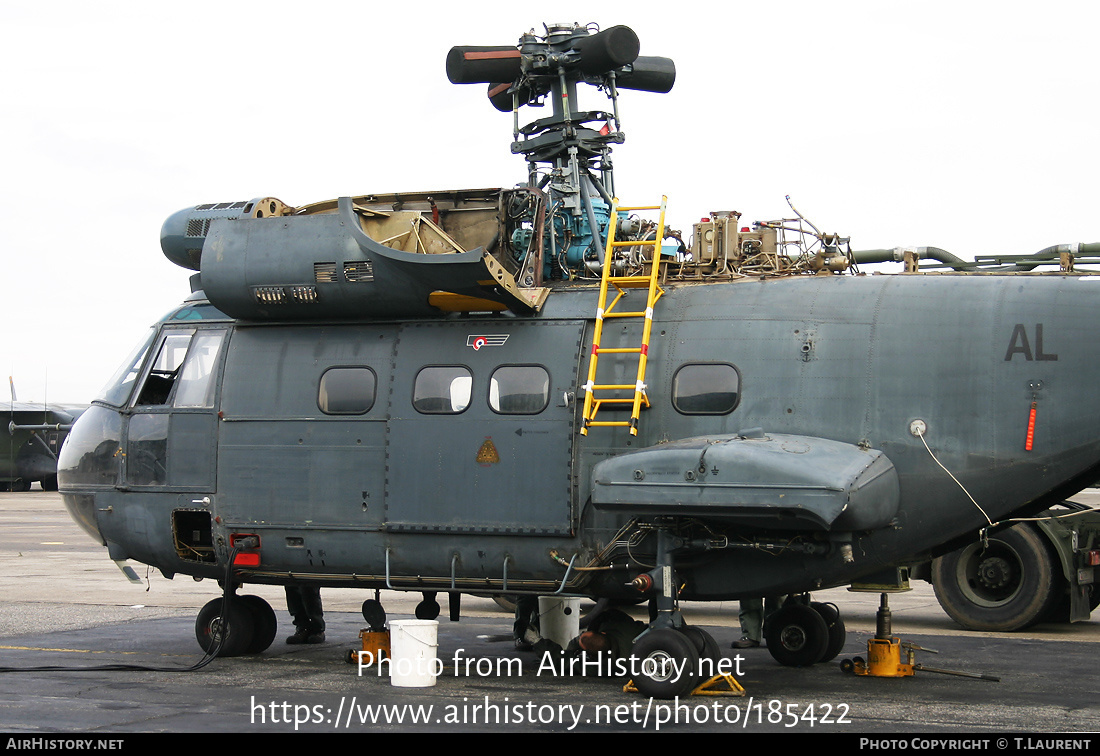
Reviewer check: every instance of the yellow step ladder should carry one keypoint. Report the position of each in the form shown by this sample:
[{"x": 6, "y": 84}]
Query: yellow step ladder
[{"x": 618, "y": 392}]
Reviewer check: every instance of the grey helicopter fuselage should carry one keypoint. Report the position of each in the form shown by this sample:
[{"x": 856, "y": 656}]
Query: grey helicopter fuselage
[
  {"x": 443, "y": 453},
  {"x": 397, "y": 390}
]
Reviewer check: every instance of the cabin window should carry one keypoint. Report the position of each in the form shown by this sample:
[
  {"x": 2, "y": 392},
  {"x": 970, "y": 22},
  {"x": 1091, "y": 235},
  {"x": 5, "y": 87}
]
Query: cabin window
[
  {"x": 519, "y": 390},
  {"x": 706, "y": 389},
  {"x": 347, "y": 391},
  {"x": 442, "y": 390}
]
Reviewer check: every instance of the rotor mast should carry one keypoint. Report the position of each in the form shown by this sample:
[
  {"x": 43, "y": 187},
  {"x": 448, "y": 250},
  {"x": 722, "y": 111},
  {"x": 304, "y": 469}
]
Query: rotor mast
[{"x": 574, "y": 144}]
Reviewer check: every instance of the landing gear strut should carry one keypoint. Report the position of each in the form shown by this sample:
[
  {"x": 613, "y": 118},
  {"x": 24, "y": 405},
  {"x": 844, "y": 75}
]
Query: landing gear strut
[{"x": 667, "y": 655}]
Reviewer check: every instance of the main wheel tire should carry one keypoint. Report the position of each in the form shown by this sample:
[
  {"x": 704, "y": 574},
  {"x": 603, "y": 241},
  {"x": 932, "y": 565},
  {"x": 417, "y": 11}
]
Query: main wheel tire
[
  {"x": 505, "y": 601},
  {"x": 1012, "y": 584},
  {"x": 428, "y": 608},
  {"x": 667, "y": 664},
  {"x": 837, "y": 632},
  {"x": 374, "y": 614},
  {"x": 704, "y": 642},
  {"x": 265, "y": 625},
  {"x": 797, "y": 636},
  {"x": 234, "y": 631}
]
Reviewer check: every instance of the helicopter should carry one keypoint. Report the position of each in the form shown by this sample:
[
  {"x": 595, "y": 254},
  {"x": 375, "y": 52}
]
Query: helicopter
[
  {"x": 35, "y": 432},
  {"x": 543, "y": 390}
]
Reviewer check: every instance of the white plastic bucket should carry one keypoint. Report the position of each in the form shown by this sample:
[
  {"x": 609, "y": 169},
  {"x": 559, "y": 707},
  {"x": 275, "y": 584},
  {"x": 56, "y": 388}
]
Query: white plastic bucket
[
  {"x": 559, "y": 618},
  {"x": 413, "y": 644}
]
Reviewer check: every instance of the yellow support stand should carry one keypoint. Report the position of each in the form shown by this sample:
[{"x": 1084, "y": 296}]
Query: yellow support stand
[
  {"x": 619, "y": 392},
  {"x": 712, "y": 687}
]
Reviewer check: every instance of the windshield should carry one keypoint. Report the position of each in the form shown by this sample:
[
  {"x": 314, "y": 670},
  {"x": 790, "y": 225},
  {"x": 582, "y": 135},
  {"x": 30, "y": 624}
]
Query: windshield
[{"x": 118, "y": 389}]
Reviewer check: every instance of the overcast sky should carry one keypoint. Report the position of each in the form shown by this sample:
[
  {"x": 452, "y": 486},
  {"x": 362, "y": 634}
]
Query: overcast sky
[{"x": 970, "y": 126}]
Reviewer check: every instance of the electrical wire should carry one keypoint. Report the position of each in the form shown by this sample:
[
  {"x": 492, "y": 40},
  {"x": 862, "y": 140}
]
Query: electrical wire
[
  {"x": 920, "y": 435},
  {"x": 211, "y": 653},
  {"x": 992, "y": 524}
]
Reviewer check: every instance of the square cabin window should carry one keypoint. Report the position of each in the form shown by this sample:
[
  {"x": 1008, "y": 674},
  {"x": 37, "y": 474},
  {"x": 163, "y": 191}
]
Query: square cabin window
[
  {"x": 443, "y": 390},
  {"x": 519, "y": 390},
  {"x": 347, "y": 391},
  {"x": 706, "y": 389}
]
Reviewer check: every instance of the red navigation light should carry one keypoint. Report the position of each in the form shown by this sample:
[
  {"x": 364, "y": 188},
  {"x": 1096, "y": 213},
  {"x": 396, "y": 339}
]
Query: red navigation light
[{"x": 247, "y": 559}]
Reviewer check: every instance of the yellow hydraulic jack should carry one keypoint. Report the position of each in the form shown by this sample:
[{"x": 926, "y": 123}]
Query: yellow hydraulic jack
[{"x": 884, "y": 654}]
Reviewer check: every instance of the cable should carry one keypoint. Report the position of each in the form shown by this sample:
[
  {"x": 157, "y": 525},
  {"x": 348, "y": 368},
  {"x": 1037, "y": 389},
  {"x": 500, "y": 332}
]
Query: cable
[
  {"x": 209, "y": 656},
  {"x": 920, "y": 435},
  {"x": 999, "y": 522}
]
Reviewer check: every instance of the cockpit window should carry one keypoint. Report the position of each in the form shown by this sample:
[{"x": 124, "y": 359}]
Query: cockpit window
[
  {"x": 182, "y": 373},
  {"x": 202, "y": 311},
  {"x": 118, "y": 389},
  {"x": 165, "y": 369},
  {"x": 442, "y": 390},
  {"x": 706, "y": 389},
  {"x": 196, "y": 387}
]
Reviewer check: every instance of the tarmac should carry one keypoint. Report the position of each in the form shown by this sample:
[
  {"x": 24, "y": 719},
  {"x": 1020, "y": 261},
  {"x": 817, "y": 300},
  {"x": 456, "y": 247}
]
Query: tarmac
[{"x": 68, "y": 606}]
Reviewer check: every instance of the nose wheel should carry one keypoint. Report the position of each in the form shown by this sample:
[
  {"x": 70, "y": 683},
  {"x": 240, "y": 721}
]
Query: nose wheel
[{"x": 247, "y": 626}]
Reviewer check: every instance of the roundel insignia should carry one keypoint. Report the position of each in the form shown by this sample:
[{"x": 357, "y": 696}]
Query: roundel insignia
[{"x": 487, "y": 340}]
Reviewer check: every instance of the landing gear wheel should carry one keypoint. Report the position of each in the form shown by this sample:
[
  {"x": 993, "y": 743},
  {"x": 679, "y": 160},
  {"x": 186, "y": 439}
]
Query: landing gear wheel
[
  {"x": 49, "y": 483},
  {"x": 265, "y": 625},
  {"x": 1009, "y": 585},
  {"x": 233, "y": 631},
  {"x": 797, "y": 636},
  {"x": 704, "y": 642},
  {"x": 667, "y": 662},
  {"x": 374, "y": 614},
  {"x": 505, "y": 601},
  {"x": 428, "y": 609},
  {"x": 835, "y": 625}
]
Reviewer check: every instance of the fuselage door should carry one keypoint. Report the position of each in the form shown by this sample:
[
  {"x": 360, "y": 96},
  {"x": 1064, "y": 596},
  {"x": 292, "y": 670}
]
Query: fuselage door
[
  {"x": 484, "y": 405},
  {"x": 170, "y": 430}
]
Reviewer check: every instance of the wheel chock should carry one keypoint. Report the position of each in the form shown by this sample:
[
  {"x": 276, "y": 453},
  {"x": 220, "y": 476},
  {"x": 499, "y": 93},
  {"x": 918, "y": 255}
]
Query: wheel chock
[{"x": 712, "y": 687}]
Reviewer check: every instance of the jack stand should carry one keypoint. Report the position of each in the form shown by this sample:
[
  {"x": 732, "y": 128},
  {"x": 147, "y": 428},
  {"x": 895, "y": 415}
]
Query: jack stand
[
  {"x": 884, "y": 654},
  {"x": 376, "y": 647}
]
